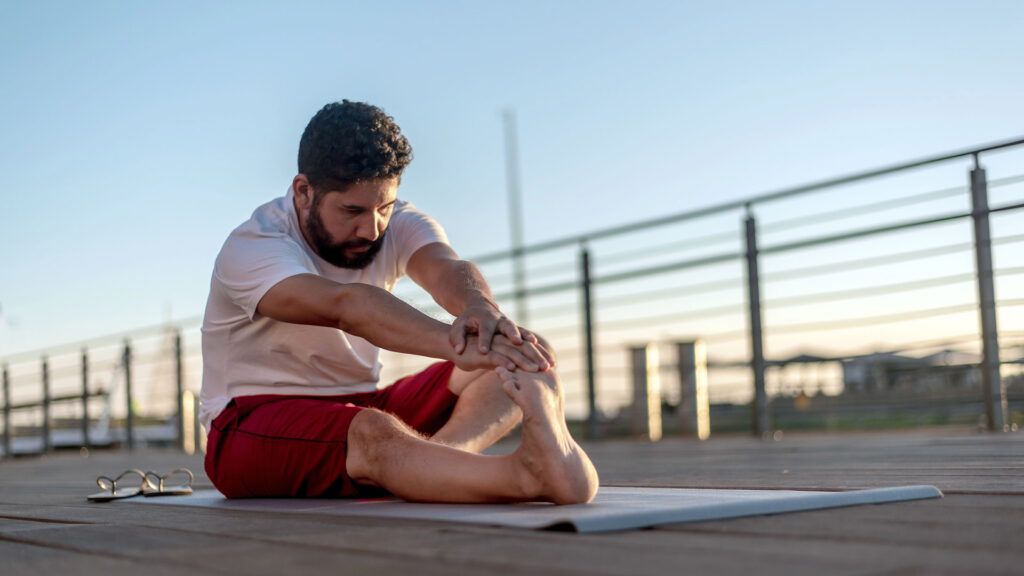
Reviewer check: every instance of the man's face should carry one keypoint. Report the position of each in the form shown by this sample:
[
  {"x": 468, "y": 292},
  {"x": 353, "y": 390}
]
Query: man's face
[{"x": 346, "y": 228}]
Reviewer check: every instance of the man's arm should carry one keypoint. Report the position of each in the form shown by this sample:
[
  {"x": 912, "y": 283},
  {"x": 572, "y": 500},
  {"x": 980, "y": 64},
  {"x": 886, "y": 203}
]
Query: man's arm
[
  {"x": 459, "y": 287},
  {"x": 374, "y": 314}
]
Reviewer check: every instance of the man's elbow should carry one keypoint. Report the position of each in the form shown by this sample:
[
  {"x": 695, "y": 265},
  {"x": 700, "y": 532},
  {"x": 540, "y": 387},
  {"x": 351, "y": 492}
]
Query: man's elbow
[
  {"x": 349, "y": 306},
  {"x": 341, "y": 307}
]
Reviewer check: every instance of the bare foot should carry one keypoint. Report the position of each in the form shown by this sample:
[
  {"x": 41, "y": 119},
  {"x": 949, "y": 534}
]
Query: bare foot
[{"x": 556, "y": 467}]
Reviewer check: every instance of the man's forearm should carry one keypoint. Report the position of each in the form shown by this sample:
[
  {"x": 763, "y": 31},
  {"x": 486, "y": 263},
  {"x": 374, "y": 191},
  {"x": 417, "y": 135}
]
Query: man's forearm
[
  {"x": 388, "y": 322},
  {"x": 463, "y": 285}
]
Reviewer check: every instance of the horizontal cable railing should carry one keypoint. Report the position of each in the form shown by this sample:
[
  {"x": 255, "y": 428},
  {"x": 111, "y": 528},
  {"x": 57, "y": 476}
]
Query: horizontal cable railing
[{"x": 840, "y": 283}]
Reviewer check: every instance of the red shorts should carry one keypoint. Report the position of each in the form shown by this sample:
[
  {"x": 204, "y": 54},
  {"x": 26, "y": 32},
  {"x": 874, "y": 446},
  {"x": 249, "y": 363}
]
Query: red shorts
[{"x": 295, "y": 446}]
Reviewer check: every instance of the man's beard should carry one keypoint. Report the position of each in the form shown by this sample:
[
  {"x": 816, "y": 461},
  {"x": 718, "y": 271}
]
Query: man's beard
[{"x": 334, "y": 252}]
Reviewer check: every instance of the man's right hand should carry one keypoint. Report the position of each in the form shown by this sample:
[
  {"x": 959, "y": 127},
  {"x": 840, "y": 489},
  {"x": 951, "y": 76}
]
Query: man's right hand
[{"x": 526, "y": 356}]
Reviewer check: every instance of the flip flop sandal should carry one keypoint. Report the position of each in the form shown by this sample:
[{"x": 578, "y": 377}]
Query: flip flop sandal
[
  {"x": 156, "y": 485},
  {"x": 110, "y": 488}
]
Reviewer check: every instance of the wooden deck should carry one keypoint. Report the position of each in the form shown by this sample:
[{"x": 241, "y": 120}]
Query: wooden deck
[{"x": 47, "y": 527}]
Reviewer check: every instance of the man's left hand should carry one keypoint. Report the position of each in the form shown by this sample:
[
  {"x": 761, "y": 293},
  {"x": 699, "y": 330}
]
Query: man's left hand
[{"x": 482, "y": 318}]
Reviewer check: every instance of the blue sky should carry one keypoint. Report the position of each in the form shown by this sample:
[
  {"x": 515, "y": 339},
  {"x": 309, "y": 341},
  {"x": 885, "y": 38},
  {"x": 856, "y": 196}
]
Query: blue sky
[{"x": 135, "y": 136}]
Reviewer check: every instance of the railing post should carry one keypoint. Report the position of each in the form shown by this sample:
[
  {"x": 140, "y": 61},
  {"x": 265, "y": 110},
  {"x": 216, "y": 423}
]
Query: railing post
[
  {"x": 588, "y": 343},
  {"x": 129, "y": 415},
  {"x": 85, "y": 399},
  {"x": 7, "y": 413},
  {"x": 179, "y": 380},
  {"x": 694, "y": 411},
  {"x": 197, "y": 428},
  {"x": 46, "y": 405},
  {"x": 515, "y": 213},
  {"x": 992, "y": 383},
  {"x": 645, "y": 411},
  {"x": 189, "y": 436},
  {"x": 760, "y": 405}
]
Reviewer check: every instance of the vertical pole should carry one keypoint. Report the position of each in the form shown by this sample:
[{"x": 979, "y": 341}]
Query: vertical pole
[
  {"x": 588, "y": 343},
  {"x": 179, "y": 380},
  {"x": 694, "y": 411},
  {"x": 85, "y": 399},
  {"x": 188, "y": 439},
  {"x": 7, "y": 413},
  {"x": 46, "y": 405},
  {"x": 991, "y": 380},
  {"x": 515, "y": 215},
  {"x": 197, "y": 428},
  {"x": 760, "y": 407},
  {"x": 129, "y": 415},
  {"x": 646, "y": 408}
]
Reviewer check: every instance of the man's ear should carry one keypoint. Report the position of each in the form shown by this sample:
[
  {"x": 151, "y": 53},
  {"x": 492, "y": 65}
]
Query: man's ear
[{"x": 303, "y": 191}]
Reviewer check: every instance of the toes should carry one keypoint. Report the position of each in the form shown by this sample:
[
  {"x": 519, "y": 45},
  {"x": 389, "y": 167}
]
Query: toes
[
  {"x": 509, "y": 382},
  {"x": 511, "y": 387}
]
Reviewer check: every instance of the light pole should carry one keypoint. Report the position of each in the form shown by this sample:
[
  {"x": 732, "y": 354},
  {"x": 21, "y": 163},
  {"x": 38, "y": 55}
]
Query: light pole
[{"x": 515, "y": 214}]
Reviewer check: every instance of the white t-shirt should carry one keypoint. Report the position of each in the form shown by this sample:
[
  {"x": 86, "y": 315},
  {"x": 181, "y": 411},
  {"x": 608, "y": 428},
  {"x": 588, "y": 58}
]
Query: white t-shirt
[{"x": 245, "y": 353}]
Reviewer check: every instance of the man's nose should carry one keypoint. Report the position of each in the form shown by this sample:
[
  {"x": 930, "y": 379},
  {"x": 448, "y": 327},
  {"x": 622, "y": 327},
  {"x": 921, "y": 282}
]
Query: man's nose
[{"x": 369, "y": 229}]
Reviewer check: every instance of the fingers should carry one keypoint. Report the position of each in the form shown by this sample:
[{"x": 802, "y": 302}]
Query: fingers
[
  {"x": 531, "y": 338},
  {"x": 520, "y": 346},
  {"x": 508, "y": 380},
  {"x": 546, "y": 354},
  {"x": 500, "y": 360},
  {"x": 457, "y": 335},
  {"x": 521, "y": 357},
  {"x": 486, "y": 334},
  {"x": 510, "y": 330},
  {"x": 536, "y": 354}
]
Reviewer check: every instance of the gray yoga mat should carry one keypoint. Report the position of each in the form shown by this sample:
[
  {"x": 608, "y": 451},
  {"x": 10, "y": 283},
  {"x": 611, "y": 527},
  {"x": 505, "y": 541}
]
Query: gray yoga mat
[{"x": 614, "y": 508}]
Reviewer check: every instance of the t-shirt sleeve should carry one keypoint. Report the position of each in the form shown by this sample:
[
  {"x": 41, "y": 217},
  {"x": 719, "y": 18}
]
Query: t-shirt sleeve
[
  {"x": 414, "y": 230},
  {"x": 250, "y": 264}
]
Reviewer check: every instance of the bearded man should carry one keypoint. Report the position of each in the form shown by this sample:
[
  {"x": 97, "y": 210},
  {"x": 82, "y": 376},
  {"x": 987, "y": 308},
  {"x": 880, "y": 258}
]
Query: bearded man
[{"x": 299, "y": 308}]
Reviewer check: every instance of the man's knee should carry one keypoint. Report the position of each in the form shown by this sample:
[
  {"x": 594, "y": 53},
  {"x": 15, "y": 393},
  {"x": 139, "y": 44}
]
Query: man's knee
[
  {"x": 461, "y": 379},
  {"x": 373, "y": 436}
]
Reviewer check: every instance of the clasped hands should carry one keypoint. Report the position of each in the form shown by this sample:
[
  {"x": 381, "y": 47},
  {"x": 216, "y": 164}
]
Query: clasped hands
[{"x": 483, "y": 337}]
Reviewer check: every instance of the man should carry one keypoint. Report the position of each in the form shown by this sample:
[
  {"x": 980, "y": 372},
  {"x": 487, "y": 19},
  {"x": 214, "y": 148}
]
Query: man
[{"x": 299, "y": 307}]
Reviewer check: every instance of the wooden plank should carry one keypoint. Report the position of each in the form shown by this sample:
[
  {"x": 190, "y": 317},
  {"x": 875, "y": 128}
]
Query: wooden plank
[
  {"x": 844, "y": 532},
  {"x": 975, "y": 463},
  {"x": 42, "y": 507},
  {"x": 405, "y": 549},
  {"x": 213, "y": 553},
  {"x": 21, "y": 559},
  {"x": 924, "y": 523}
]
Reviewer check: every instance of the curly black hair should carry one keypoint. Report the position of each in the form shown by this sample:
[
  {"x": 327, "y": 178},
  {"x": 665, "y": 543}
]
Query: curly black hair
[{"x": 348, "y": 142}]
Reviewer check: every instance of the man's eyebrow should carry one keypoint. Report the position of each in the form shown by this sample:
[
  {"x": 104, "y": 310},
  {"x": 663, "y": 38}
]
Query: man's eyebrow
[{"x": 361, "y": 207}]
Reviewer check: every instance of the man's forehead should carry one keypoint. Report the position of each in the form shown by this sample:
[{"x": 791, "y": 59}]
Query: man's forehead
[{"x": 377, "y": 192}]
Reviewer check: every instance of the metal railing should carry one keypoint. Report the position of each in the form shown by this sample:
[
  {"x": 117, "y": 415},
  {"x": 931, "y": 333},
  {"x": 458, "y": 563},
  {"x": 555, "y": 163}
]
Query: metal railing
[
  {"x": 685, "y": 275},
  {"x": 750, "y": 251},
  {"x": 139, "y": 384}
]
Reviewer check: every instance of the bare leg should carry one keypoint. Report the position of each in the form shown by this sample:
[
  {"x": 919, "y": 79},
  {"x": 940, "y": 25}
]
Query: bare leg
[
  {"x": 483, "y": 414},
  {"x": 384, "y": 452},
  {"x": 548, "y": 450},
  {"x": 548, "y": 465}
]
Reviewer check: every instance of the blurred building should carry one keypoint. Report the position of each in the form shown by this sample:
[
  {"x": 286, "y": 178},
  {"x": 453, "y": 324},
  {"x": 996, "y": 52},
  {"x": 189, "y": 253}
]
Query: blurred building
[{"x": 884, "y": 372}]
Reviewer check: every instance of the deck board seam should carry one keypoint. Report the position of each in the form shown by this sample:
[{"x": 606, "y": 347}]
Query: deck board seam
[
  {"x": 86, "y": 551},
  {"x": 370, "y": 554},
  {"x": 833, "y": 538},
  {"x": 47, "y": 520}
]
